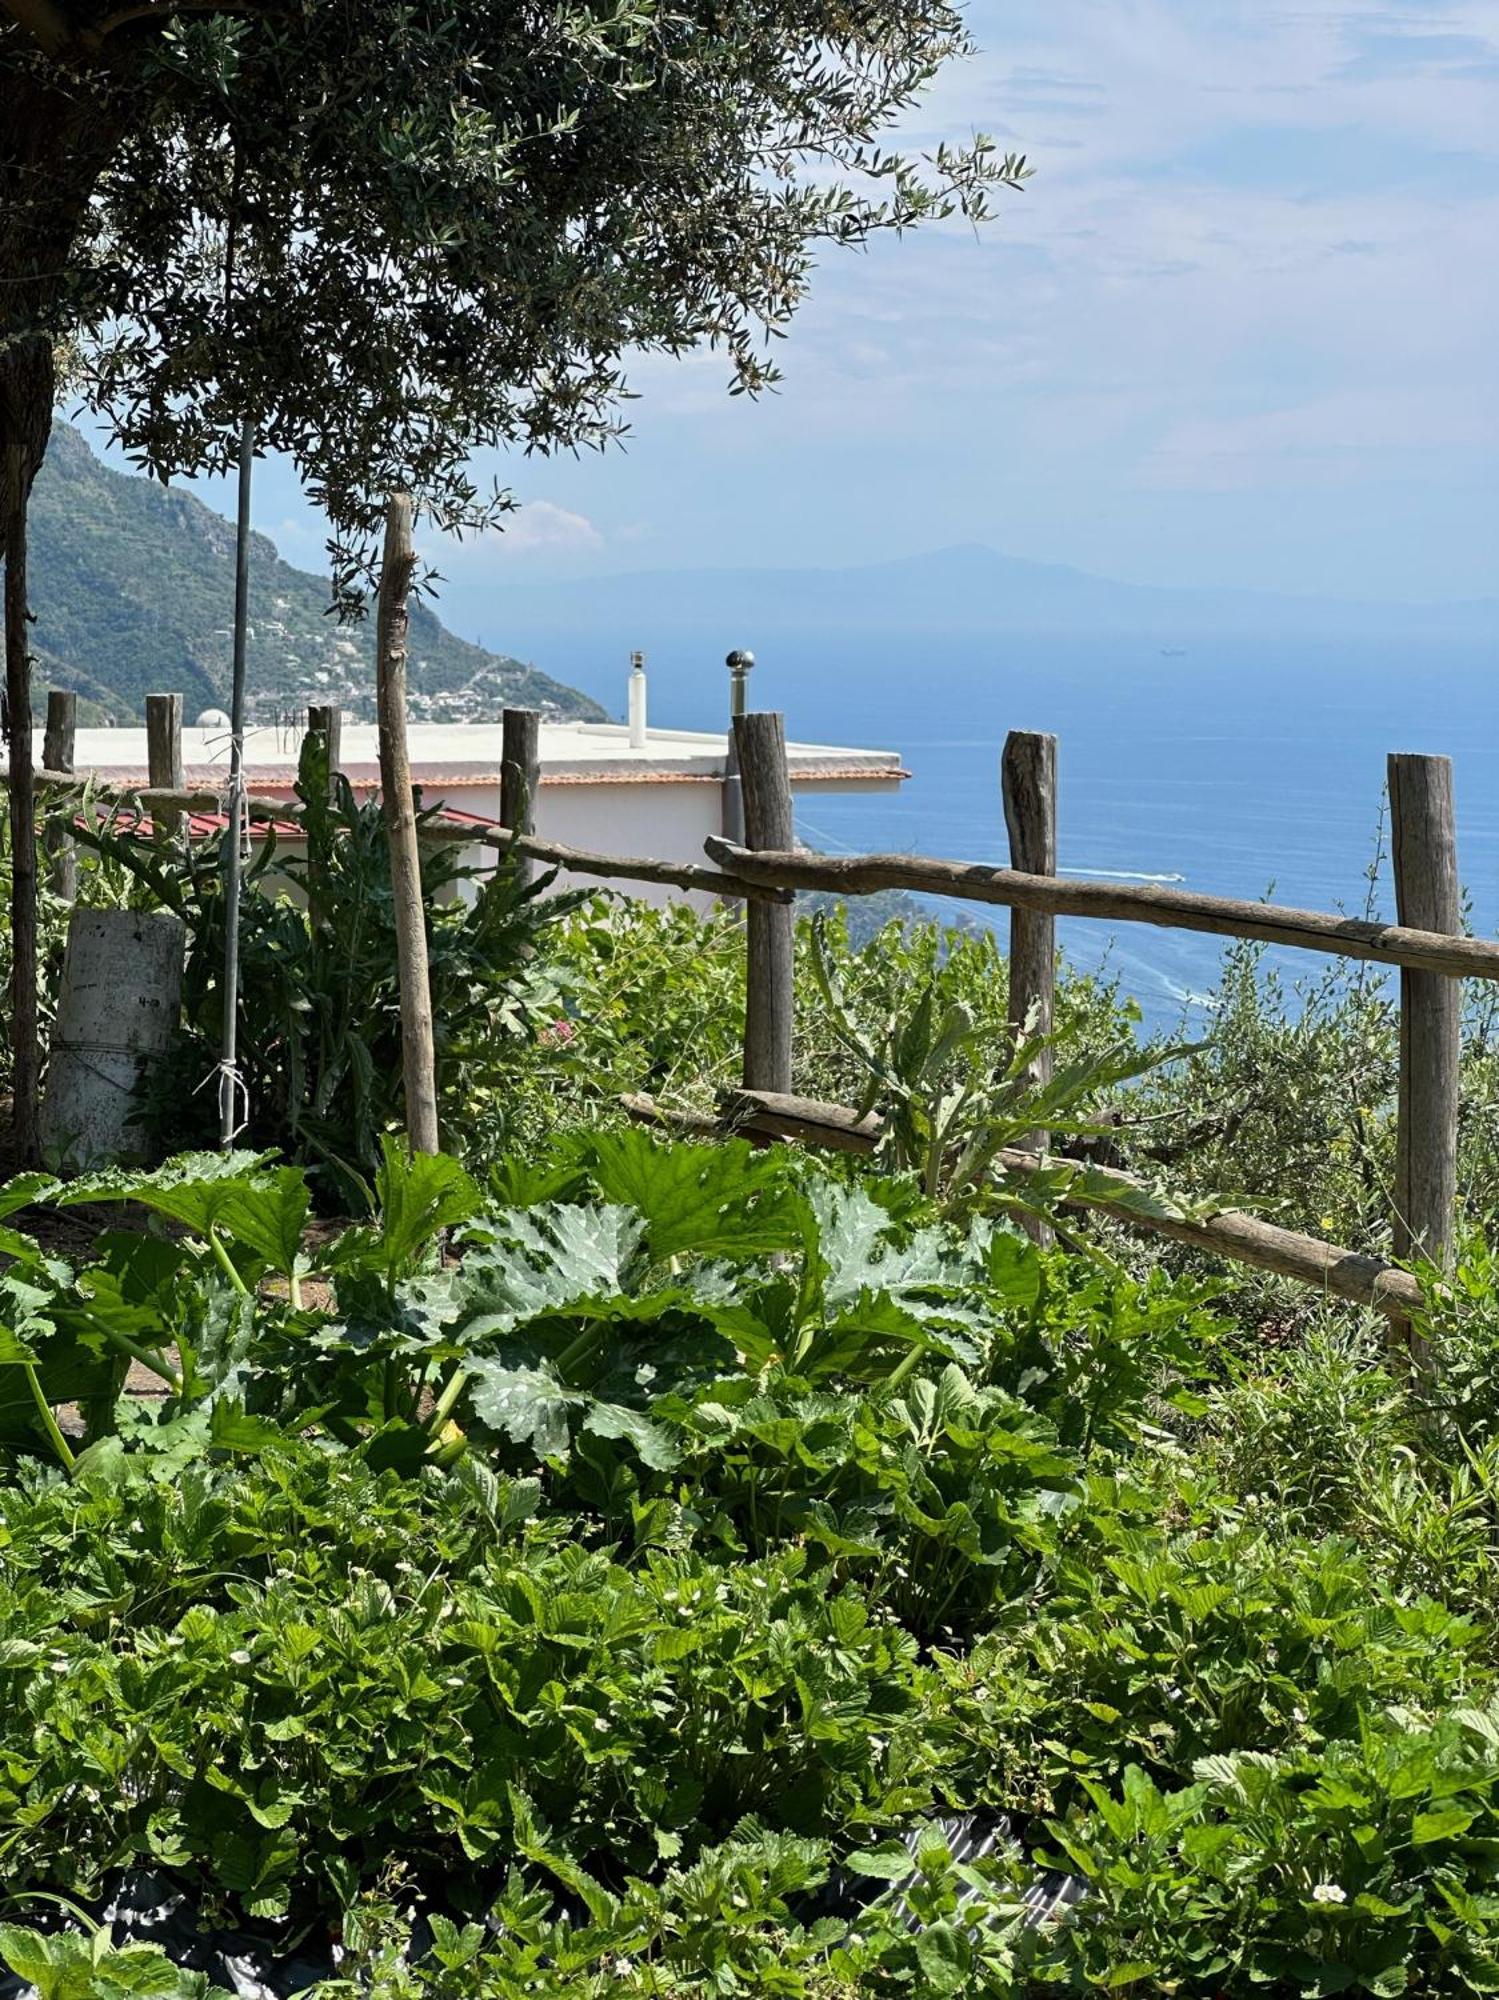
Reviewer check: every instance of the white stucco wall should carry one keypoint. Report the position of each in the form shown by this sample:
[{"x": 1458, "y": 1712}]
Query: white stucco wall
[
  {"x": 663, "y": 822},
  {"x": 660, "y": 799}
]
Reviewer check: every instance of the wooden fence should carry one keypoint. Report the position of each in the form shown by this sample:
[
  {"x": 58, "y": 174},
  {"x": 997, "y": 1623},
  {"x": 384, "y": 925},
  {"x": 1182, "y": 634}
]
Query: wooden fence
[{"x": 766, "y": 869}]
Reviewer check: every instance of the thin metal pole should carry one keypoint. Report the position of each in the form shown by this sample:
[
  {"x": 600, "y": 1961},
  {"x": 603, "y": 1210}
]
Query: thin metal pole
[{"x": 229, "y": 1084}]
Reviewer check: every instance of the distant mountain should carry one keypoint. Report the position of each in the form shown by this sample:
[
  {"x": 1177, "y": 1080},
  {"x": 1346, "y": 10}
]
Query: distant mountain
[
  {"x": 132, "y": 585},
  {"x": 882, "y": 652},
  {"x": 951, "y": 592}
]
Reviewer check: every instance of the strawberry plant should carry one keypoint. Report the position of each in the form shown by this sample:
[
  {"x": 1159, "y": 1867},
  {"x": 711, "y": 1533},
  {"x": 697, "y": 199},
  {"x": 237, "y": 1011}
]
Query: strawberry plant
[{"x": 572, "y": 1583}]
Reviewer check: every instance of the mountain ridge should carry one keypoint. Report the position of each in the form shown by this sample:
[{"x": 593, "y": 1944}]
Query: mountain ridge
[
  {"x": 132, "y": 586},
  {"x": 1020, "y": 594}
]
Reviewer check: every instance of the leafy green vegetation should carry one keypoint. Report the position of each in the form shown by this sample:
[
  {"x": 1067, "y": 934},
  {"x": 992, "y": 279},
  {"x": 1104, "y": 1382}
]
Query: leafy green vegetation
[
  {"x": 1286, "y": 1107},
  {"x": 612, "y": 1576},
  {"x": 86, "y": 1965},
  {"x": 620, "y": 1566},
  {"x": 322, "y": 1070}
]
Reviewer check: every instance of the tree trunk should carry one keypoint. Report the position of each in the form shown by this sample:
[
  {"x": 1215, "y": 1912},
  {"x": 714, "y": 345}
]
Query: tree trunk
[
  {"x": 25, "y": 1047},
  {"x": 57, "y": 134}
]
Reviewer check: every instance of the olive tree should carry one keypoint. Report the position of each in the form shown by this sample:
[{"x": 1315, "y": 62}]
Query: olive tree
[{"x": 397, "y": 230}]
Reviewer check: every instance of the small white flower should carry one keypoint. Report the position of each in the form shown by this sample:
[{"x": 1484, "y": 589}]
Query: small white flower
[
  {"x": 601, "y": 1722},
  {"x": 1329, "y": 1892},
  {"x": 240, "y": 1656}
]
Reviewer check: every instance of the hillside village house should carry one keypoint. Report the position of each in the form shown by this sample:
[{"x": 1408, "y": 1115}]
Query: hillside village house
[{"x": 659, "y": 795}]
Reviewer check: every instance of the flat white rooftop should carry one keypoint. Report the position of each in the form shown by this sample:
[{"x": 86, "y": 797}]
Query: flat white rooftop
[{"x": 456, "y": 754}]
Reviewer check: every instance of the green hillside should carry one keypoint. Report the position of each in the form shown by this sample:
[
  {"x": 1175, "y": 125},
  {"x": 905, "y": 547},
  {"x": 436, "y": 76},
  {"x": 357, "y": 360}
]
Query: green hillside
[{"x": 132, "y": 585}]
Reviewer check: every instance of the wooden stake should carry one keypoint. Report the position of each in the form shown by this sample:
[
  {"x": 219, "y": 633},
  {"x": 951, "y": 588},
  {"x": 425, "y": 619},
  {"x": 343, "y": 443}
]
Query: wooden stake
[
  {"x": 57, "y": 755},
  {"x": 769, "y": 966},
  {"x": 329, "y": 724},
  {"x": 1028, "y": 781},
  {"x": 164, "y": 756},
  {"x": 1028, "y": 778},
  {"x": 520, "y": 774},
  {"x": 1423, "y": 845},
  {"x": 326, "y": 724},
  {"x": 418, "y": 1054}
]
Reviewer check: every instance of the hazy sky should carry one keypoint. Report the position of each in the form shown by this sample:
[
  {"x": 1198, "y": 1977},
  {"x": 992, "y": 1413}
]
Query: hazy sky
[{"x": 1241, "y": 328}]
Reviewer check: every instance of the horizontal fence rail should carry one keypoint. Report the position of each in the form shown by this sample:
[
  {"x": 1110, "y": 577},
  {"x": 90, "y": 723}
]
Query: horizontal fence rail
[
  {"x": 1226, "y": 1232},
  {"x": 765, "y": 867},
  {"x": 155, "y": 800},
  {"x": 1168, "y": 909},
  {"x": 776, "y": 874}
]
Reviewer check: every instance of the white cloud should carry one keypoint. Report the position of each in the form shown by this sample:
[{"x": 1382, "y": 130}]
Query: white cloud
[
  {"x": 540, "y": 527},
  {"x": 1176, "y": 289},
  {"x": 1255, "y": 261}
]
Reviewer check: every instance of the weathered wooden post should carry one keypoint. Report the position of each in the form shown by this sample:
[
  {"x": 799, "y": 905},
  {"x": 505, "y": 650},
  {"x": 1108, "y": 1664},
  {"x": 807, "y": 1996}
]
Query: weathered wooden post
[
  {"x": 58, "y": 746},
  {"x": 164, "y": 757},
  {"x": 1423, "y": 846},
  {"x": 1028, "y": 775},
  {"x": 520, "y": 774},
  {"x": 418, "y": 1055},
  {"x": 328, "y": 723},
  {"x": 1028, "y": 780},
  {"x": 770, "y": 928}
]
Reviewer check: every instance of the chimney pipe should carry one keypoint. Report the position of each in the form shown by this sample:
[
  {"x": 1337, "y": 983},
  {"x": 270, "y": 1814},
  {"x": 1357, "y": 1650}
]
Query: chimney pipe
[
  {"x": 738, "y": 664},
  {"x": 637, "y": 701}
]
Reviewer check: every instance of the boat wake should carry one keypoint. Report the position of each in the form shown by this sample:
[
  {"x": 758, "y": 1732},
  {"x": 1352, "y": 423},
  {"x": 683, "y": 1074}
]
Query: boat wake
[{"x": 1119, "y": 875}]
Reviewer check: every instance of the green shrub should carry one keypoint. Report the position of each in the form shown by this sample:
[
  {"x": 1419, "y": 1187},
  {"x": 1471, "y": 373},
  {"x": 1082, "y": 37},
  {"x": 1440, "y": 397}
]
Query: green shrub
[
  {"x": 613, "y": 1590},
  {"x": 320, "y": 1006}
]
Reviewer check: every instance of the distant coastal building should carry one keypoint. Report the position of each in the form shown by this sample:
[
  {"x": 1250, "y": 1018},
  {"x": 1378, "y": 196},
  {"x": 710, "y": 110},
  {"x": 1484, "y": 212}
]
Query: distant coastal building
[{"x": 661, "y": 796}]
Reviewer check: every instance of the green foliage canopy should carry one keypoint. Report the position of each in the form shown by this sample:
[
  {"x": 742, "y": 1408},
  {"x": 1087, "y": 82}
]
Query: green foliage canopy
[{"x": 400, "y": 232}]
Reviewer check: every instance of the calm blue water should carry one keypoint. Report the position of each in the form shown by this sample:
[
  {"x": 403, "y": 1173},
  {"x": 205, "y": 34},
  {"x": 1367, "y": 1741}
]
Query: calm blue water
[
  {"x": 1241, "y": 773},
  {"x": 1239, "y": 768}
]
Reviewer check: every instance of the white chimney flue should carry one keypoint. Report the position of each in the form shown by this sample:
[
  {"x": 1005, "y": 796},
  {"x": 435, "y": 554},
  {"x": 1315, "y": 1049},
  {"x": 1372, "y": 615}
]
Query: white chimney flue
[{"x": 637, "y": 701}]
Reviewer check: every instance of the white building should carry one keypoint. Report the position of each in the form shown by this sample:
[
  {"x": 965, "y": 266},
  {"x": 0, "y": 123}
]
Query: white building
[{"x": 660, "y": 797}]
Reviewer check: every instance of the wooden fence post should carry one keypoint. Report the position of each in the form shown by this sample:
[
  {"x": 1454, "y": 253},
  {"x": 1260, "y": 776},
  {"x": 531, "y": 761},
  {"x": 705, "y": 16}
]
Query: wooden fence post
[
  {"x": 770, "y": 928},
  {"x": 58, "y": 748},
  {"x": 1028, "y": 781},
  {"x": 164, "y": 756},
  {"x": 520, "y": 774},
  {"x": 1028, "y": 777},
  {"x": 418, "y": 1055},
  {"x": 1423, "y": 846},
  {"x": 328, "y": 722}
]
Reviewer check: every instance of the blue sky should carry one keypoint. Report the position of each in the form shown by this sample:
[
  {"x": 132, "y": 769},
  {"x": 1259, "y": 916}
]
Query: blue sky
[{"x": 1240, "y": 329}]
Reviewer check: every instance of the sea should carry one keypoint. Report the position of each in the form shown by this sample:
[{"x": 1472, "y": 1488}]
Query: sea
[{"x": 1252, "y": 768}]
